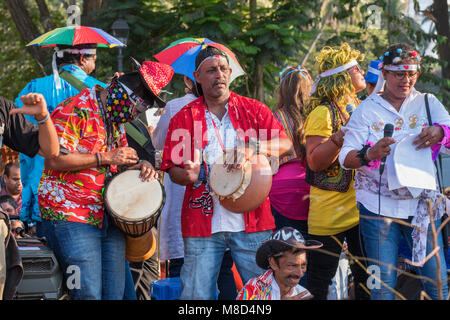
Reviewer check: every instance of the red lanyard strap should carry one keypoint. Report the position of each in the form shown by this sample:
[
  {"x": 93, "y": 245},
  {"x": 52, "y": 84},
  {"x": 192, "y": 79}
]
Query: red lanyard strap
[{"x": 217, "y": 131}]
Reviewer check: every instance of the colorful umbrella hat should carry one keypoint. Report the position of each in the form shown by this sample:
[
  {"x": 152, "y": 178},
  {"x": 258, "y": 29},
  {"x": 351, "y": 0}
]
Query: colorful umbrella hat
[
  {"x": 74, "y": 35},
  {"x": 181, "y": 54}
]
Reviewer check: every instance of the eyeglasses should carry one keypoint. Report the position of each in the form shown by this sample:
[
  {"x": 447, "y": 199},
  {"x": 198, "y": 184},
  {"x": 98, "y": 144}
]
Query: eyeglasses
[
  {"x": 356, "y": 68},
  {"x": 400, "y": 75}
]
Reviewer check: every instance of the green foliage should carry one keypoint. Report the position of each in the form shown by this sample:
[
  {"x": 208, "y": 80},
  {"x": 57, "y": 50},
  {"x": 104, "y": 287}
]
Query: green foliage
[{"x": 274, "y": 35}]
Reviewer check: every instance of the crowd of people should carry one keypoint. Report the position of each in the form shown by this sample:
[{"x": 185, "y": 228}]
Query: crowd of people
[{"x": 328, "y": 142}]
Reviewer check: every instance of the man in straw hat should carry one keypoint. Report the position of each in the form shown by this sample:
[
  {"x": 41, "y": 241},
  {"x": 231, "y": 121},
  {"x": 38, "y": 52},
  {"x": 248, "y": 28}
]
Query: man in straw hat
[
  {"x": 283, "y": 255},
  {"x": 93, "y": 145},
  {"x": 218, "y": 120}
]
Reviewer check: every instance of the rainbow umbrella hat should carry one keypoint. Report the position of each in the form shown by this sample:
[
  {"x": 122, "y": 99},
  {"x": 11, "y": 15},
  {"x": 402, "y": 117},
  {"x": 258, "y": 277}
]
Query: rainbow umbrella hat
[
  {"x": 72, "y": 36},
  {"x": 75, "y": 35},
  {"x": 181, "y": 54}
]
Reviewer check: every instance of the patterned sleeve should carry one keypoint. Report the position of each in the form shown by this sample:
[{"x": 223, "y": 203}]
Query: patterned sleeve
[
  {"x": 246, "y": 292},
  {"x": 69, "y": 122}
]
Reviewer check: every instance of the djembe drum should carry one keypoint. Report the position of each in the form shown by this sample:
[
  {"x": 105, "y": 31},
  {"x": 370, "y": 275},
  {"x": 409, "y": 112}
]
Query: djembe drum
[{"x": 135, "y": 206}]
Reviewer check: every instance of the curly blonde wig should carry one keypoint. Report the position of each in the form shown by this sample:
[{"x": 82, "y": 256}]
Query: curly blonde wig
[{"x": 337, "y": 87}]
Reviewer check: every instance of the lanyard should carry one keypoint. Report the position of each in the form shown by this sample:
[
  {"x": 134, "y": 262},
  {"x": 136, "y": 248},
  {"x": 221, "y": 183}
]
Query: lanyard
[{"x": 219, "y": 137}]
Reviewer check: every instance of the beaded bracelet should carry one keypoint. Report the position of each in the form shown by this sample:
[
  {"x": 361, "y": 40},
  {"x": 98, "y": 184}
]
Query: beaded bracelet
[
  {"x": 372, "y": 164},
  {"x": 45, "y": 119},
  {"x": 361, "y": 155}
]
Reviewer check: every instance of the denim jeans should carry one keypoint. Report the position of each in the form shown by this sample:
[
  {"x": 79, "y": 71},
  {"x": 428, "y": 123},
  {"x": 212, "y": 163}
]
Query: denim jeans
[
  {"x": 93, "y": 259},
  {"x": 382, "y": 239},
  {"x": 203, "y": 259}
]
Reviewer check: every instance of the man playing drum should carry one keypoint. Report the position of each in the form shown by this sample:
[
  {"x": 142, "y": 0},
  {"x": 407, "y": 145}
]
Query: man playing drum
[
  {"x": 218, "y": 120},
  {"x": 93, "y": 144}
]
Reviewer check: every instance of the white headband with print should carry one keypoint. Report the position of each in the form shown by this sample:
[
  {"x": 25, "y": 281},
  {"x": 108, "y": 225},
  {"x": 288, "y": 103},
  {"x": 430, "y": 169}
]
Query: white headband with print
[{"x": 330, "y": 72}]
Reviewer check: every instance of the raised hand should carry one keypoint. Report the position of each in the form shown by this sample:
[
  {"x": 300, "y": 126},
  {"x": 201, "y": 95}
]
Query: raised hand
[{"x": 34, "y": 104}]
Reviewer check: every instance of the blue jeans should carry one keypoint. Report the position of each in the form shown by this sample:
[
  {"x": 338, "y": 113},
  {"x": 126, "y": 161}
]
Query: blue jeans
[
  {"x": 382, "y": 239},
  {"x": 203, "y": 259},
  {"x": 93, "y": 259}
]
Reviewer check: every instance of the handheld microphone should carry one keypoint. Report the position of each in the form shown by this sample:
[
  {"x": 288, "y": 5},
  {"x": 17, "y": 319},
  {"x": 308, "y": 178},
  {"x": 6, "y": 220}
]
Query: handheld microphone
[
  {"x": 350, "y": 108},
  {"x": 388, "y": 132}
]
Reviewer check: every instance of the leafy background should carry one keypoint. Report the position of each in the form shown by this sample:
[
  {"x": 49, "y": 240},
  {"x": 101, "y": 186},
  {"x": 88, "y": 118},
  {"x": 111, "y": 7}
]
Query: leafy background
[{"x": 265, "y": 35}]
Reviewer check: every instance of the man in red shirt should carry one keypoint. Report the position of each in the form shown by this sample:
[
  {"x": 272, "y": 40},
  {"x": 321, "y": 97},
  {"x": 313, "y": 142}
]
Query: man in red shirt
[{"x": 208, "y": 126}]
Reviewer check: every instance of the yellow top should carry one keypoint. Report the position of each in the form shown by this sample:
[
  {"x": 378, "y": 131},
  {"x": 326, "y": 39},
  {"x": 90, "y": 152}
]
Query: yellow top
[{"x": 330, "y": 212}]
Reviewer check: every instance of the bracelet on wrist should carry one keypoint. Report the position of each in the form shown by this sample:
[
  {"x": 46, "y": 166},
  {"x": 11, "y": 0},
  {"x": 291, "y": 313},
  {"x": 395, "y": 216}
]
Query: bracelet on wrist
[
  {"x": 44, "y": 119},
  {"x": 361, "y": 155},
  {"x": 97, "y": 157}
]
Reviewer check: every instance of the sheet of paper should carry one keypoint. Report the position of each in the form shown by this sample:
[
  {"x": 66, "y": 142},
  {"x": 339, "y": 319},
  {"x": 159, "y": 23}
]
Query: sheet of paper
[
  {"x": 393, "y": 182},
  {"x": 413, "y": 168},
  {"x": 153, "y": 115}
]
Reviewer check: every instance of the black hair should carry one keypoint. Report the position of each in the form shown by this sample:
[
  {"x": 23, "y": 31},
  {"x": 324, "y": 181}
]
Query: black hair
[
  {"x": 135, "y": 83},
  {"x": 8, "y": 167},
  {"x": 7, "y": 198},
  {"x": 405, "y": 54},
  {"x": 74, "y": 58},
  {"x": 206, "y": 52}
]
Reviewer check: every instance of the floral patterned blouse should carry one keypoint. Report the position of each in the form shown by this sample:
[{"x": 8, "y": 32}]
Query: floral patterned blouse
[{"x": 77, "y": 196}]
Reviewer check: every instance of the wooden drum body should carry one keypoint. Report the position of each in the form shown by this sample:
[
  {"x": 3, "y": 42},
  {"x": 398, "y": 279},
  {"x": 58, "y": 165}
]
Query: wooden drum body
[
  {"x": 135, "y": 206},
  {"x": 242, "y": 190}
]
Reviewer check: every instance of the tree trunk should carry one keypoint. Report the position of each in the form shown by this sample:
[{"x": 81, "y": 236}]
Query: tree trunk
[
  {"x": 87, "y": 17},
  {"x": 27, "y": 30},
  {"x": 324, "y": 22},
  {"x": 440, "y": 13},
  {"x": 45, "y": 18},
  {"x": 258, "y": 76},
  {"x": 258, "y": 92}
]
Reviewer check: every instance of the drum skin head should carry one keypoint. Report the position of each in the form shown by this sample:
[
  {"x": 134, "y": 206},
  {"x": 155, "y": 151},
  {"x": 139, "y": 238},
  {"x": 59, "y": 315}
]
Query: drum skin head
[
  {"x": 257, "y": 190},
  {"x": 224, "y": 183},
  {"x": 128, "y": 197}
]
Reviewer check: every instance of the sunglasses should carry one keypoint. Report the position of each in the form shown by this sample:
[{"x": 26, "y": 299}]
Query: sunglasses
[
  {"x": 356, "y": 68},
  {"x": 400, "y": 75}
]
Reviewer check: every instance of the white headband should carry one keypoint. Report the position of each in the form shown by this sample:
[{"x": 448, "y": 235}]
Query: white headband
[
  {"x": 401, "y": 67},
  {"x": 330, "y": 72},
  {"x": 217, "y": 56},
  {"x": 60, "y": 53},
  {"x": 374, "y": 71}
]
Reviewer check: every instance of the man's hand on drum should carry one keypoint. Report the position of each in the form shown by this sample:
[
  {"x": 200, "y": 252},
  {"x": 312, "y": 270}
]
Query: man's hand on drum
[
  {"x": 147, "y": 171},
  {"x": 235, "y": 158},
  {"x": 120, "y": 156}
]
